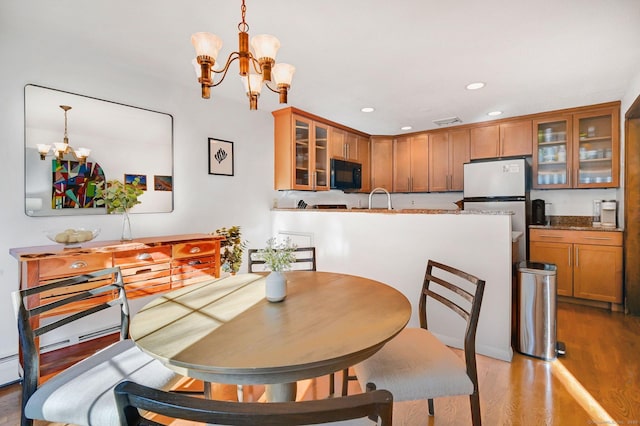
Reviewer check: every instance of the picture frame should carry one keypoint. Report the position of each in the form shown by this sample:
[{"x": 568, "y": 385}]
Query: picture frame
[{"x": 220, "y": 157}]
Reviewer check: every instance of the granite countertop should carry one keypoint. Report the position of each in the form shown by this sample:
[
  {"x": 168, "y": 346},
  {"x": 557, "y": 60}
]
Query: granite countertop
[{"x": 574, "y": 223}]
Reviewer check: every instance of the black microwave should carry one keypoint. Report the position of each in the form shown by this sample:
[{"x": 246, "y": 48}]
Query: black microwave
[{"x": 345, "y": 175}]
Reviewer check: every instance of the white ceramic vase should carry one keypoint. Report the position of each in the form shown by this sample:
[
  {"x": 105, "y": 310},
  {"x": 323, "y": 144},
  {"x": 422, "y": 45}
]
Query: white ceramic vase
[{"x": 276, "y": 287}]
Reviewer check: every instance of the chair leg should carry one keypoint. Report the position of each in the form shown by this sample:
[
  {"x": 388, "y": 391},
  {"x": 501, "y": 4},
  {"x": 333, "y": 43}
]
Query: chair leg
[
  {"x": 430, "y": 403},
  {"x": 240, "y": 393},
  {"x": 345, "y": 381},
  {"x": 332, "y": 384},
  {"x": 474, "y": 398}
]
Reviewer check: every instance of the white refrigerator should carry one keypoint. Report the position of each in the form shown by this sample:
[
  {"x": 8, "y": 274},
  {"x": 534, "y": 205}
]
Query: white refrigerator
[{"x": 501, "y": 185}]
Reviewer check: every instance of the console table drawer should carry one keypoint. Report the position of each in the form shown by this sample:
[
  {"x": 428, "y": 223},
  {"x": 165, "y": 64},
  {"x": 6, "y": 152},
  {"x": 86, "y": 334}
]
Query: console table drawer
[
  {"x": 66, "y": 266},
  {"x": 195, "y": 249},
  {"x": 142, "y": 257}
]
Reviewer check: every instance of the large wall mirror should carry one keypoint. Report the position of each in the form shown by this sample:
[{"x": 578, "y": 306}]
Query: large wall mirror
[{"x": 124, "y": 142}]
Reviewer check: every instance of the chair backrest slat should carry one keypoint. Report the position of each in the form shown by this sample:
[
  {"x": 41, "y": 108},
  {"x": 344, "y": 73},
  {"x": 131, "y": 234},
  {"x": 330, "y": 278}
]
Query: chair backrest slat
[{"x": 131, "y": 396}]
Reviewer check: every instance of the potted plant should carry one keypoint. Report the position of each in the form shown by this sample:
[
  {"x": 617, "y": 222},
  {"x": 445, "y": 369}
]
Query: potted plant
[
  {"x": 278, "y": 257},
  {"x": 231, "y": 248},
  {"x": 119, "y": 197}
]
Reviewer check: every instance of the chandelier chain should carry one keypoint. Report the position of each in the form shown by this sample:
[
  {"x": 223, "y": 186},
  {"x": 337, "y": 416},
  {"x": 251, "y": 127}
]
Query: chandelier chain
[{"x": 243, "y": 26}]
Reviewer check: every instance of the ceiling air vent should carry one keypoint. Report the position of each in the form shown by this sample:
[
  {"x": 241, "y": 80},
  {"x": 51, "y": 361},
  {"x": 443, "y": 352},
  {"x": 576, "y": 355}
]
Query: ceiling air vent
[{"x": 447, "y": 121}]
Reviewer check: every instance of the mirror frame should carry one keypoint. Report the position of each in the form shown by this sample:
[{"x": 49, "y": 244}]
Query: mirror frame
[{"x": 124, "y": 140}]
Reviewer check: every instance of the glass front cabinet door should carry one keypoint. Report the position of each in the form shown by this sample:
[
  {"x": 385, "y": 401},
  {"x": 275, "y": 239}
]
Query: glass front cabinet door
[
  {"x": 552, "y": 154},
  {"x": 596, "y": 153},
  {"x": 312, "y": 155}
]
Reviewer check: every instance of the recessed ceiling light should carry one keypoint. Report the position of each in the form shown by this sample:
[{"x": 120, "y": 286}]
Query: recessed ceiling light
[
  {"x": 406, "y": 128},
  {"x": 475, "y": 86},
  {"x": 367, "y": 109},
  {"x": 494, "y": 113}
]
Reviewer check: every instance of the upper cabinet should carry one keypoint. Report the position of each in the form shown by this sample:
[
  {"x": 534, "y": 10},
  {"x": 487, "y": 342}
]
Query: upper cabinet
[
  {"x": 410, "y": 163},
  {"x": 578, "y": 150},
  {"x": 597, "y": 148},
  {"x": 301, "y": 152},
  {"x": 508, "y": 139},
  {"x": 382, "y": 162},
  {"x": 552, "y": 158},
  {"x": 343, "y": 145},
  {"x": 364, "y": 158},
  {"x": 448, "y": 151}
]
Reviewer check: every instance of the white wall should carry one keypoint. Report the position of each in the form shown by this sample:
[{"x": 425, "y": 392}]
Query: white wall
[{"x": 203, "y": 202}]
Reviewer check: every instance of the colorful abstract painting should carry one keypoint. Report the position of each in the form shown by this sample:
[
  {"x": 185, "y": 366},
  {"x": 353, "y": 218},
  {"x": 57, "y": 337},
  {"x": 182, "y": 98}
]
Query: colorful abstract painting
[{"x": 74, "y": 184}]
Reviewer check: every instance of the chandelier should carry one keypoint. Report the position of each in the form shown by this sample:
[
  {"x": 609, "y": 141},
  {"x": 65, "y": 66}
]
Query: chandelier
[
  {"x": 62, "y": 150},
  {"x": 262, "y": 60}
]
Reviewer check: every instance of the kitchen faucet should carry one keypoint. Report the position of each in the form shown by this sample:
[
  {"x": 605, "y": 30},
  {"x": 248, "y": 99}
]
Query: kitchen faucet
[{"x": 378, "y": 190}]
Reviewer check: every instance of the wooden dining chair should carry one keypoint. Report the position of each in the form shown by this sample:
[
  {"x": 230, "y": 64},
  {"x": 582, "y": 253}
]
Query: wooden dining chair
[
  {"x": 368, "y": 408},
  {"x": 81, "y": 394},
  {"x": 305, "y": 260},
  {"x": 415, "y": 364}
]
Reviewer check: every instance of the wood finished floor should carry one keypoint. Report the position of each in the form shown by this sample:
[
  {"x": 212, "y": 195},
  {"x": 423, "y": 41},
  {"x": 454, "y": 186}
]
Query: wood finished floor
[{"x": 602, "y": 358}]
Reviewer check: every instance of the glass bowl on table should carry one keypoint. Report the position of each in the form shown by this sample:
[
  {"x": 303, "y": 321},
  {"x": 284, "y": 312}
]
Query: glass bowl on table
[{"x": 72, "y": 237}]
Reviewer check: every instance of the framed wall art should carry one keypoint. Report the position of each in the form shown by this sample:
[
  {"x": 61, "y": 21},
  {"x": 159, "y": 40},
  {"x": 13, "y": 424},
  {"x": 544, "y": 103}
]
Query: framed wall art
[{"x": 220, "y": 157}]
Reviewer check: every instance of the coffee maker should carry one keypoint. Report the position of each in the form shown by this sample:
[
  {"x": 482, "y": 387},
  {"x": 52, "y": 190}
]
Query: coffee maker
[
  {"x": 608, "y": 213},
  {"x": 538, "y": 213}
]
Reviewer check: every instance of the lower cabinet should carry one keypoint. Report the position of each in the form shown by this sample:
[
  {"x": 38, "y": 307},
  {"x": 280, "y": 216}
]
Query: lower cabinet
[{"x": 589, "y": 263}]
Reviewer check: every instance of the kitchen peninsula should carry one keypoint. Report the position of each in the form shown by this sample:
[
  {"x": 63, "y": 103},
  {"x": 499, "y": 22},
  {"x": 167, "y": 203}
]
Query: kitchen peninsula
[{"x": 393, "y": 246}]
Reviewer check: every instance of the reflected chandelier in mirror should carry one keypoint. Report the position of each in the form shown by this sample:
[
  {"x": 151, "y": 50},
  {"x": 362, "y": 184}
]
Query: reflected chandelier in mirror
[{"x": 114, "y": 141}]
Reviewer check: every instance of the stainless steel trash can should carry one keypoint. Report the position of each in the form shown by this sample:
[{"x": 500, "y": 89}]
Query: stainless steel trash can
[{"x": 537, "y": 310}]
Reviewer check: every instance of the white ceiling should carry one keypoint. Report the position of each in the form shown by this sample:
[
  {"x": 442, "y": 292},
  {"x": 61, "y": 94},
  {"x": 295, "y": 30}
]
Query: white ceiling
[{"x": 409, "y": 59}]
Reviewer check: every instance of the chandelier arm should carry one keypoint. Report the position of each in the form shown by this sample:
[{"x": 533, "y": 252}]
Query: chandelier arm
[
  {"x": 256, "y": 64},
  {"x": 232, "y": 57},
  {"x": 269, "y": 87}
]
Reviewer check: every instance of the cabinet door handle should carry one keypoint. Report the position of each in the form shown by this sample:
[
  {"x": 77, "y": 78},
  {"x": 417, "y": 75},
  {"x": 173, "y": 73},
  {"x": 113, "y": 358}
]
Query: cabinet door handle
[
  {"x": 195, "y": 262},
  {"x": 569, "y": 250},
  {"x": 408, "y": 184},
  {"x": 194, "y": 250},
  {"x": 79, "y": 264},
  {"x": 143, "y": 256},
  {"x": 577, "y": 258}
]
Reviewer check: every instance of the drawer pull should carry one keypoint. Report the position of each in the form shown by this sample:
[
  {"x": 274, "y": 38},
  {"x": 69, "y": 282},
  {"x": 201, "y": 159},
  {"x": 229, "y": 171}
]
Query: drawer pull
[
  {"x": 550, "y": 236},
  {"x": 195, "y": 262},
  {"x": 144, "y": 256},
  {"x": 598, "y": 238},
  {"x": 143, "y": 271},
  {"x": 79, "y": 264},
  {"x": 194, "y": 250}
]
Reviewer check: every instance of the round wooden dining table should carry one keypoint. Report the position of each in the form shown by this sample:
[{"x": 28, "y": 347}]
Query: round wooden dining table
[{"x": 225, "y": 331}]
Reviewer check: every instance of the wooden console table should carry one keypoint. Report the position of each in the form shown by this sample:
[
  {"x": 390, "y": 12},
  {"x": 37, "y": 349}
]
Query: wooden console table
[{"x": 149, "y": 265}]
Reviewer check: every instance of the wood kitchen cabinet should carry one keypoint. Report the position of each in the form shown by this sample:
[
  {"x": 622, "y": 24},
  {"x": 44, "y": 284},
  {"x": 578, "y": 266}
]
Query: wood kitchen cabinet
[
  {"x": 508, "y": 139},
  {"x": 589, "y": 263},
  {"x": 448, "y": 151},
  {"x": 578, "y": 149},
  {"x": 301, "y": 152},
  {"x": 343, "y": 145},
  {"x": 411, "y": 163},
  {"x": 364, "y": 158},
  {"x": 382, "y": 162}
]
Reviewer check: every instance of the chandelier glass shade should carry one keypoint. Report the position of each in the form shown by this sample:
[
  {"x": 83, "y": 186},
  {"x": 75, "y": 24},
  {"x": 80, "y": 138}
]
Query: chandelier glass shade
[
  {"x": 62, "y": 150},
  {"x": 257, "y": 67}
]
